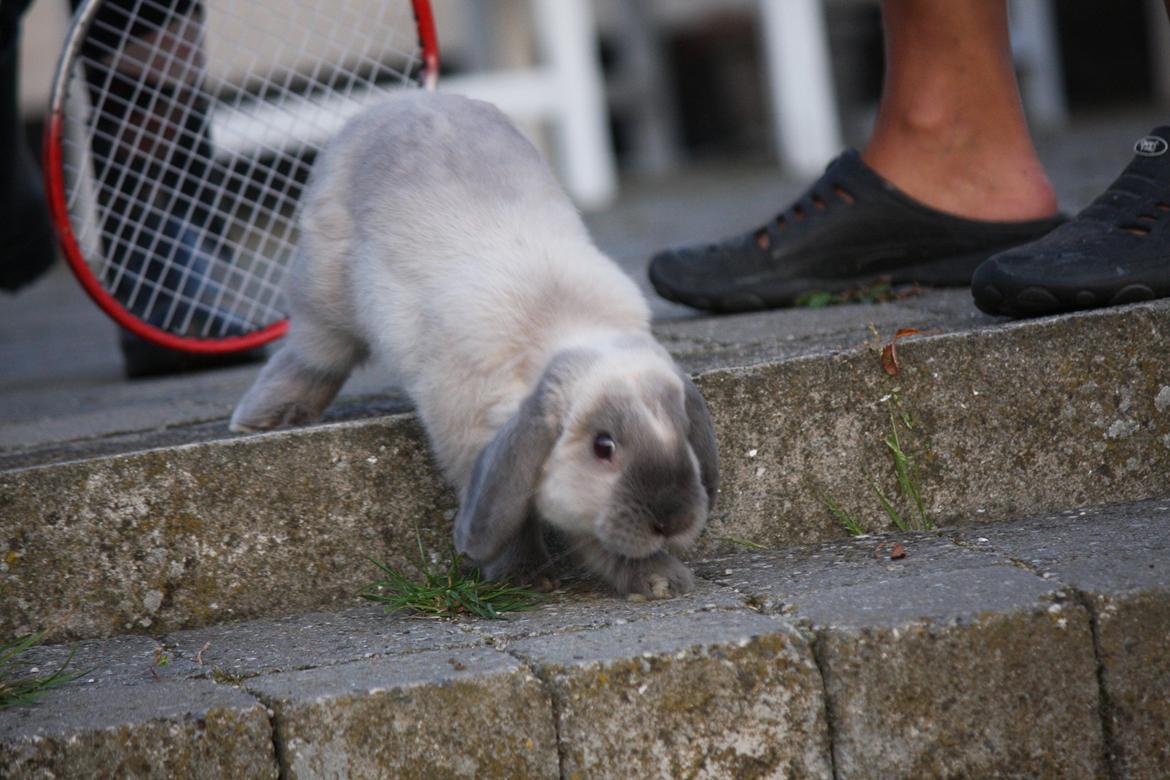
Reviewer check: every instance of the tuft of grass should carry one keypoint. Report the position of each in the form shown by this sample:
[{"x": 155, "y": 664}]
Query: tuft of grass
[
  {"x": 889, "y": 508},
  {"x": 449, "y": 592},
  {"x": 18, "y": 688},
  {"x": 905, "y": 475},
  {"x": 818, "y": 299},
  {"x": 848, "y": 521},
  {"x": 877, "y": 292}
]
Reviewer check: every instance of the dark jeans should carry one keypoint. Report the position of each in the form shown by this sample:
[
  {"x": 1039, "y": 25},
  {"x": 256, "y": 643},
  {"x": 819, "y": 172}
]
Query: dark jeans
[{"x": 125, "y": 170}]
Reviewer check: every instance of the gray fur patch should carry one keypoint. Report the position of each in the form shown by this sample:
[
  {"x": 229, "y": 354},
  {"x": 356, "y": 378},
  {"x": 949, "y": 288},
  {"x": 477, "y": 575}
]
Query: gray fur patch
[
  {"x": 701, "y": 435},
  {"x": 498, "y": 500}
]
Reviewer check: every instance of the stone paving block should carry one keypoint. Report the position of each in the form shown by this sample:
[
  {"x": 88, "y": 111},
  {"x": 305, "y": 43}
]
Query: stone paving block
[
  {"x": 748, "y": 339},
  {"x": 190, "y": 729},
  {"x": 991, "y": 441},
  {"x": 1133, "y": 642},
  {"x": 312, "y": 640},
  {"x": 231, "y": 652},
  {"x": 1003, "y": 696},
  {"x": 709, "y": 695},
  {"x": 947, "y": 663},
  {"x": 120, "y": 660},
  {"x": 1117, "y": 548},
  {"x": 777, "y": 579},
  {"x": 579, "y": 607},
  {"x": 201, "y": 534},
  {"x": 1119, "y": 559},
  {"x": 459, "y": 713}
]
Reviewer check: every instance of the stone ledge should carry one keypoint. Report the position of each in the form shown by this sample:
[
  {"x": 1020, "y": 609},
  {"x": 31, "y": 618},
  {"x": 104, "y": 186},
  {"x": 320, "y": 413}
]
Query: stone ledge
[
  {"x": 283, "y": 522},
  {"x": 1026, "y": 648},
  {"x": 1117, "y": 560},
  {"x": 476, "y": 713},
  {"x": 917, "y": 652},
  {"x": 187, "y": 728},
  {"x": 717, "y": 694}
]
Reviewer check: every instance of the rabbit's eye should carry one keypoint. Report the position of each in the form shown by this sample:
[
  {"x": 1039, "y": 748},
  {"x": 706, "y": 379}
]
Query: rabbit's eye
[{"x": 604, "y": 446}]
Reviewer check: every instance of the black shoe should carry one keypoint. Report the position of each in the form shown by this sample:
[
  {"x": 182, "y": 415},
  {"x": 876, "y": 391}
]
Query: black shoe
[
  {"x": 142, "y": 358},
  {"x": 852, "y": 228},
  {"x": 1115, "y": 251}
]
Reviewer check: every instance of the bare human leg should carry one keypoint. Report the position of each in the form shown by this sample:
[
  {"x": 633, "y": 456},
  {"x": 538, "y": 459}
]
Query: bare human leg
[
  {"x": 27, "y": 244},
  {"x": 950, "y": 130},
  {"x": 952, "y": 140}
]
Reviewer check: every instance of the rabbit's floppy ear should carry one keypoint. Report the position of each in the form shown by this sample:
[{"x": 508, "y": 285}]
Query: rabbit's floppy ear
[
  {"x": 702, "y": 438},
  {"x": 504, "y": 478}
]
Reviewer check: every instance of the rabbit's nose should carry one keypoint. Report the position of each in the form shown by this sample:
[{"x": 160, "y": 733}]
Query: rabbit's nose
[{"x": 670, "y": 525}]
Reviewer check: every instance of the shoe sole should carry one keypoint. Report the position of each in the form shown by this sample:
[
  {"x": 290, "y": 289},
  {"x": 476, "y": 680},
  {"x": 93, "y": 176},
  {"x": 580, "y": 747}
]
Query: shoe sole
[
  {"x": 954, "y": 271},
  {"x": 1039, "y": 301}
]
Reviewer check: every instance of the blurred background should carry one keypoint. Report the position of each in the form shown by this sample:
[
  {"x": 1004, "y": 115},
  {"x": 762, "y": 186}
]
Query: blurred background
[
  {"x": 669, "y": 121},
  {"x": 617, "y": 91}
]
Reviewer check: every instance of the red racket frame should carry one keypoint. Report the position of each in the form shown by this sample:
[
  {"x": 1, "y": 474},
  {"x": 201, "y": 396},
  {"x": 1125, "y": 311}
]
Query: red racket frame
[{"x": 55, "y": 189}]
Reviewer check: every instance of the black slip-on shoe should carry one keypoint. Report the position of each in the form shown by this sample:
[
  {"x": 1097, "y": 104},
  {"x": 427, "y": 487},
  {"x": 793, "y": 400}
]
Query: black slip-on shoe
[
  {"x": 1117, "y": 250},
  {"x": 852, "y": 228}
]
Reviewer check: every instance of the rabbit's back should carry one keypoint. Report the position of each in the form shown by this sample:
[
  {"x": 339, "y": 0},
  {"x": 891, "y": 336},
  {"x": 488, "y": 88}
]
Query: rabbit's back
[
  {"x": 427, "y": 176},
  {"x": 437, "y": 233}
]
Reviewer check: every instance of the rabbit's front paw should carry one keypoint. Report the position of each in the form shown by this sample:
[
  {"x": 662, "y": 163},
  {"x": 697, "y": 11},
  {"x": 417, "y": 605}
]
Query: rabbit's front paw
[{"x": 661, "y": 576}]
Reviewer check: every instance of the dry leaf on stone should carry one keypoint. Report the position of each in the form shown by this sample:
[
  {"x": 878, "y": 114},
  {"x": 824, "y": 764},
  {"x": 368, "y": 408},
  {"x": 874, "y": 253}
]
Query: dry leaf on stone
[
  {"x": 889, "y": 357},
  {"x": 898, "y": 553}
]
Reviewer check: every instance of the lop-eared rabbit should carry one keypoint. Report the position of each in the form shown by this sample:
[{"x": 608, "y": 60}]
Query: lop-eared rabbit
[{"x": 434, "y": 235}]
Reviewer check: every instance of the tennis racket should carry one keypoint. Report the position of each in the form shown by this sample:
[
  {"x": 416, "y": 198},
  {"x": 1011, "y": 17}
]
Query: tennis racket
[{"x": 181, "y": 135}]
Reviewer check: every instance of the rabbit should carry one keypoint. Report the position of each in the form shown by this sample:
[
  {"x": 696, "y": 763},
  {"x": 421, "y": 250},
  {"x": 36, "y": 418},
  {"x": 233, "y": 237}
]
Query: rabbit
[{"x": 434, "y": 235}]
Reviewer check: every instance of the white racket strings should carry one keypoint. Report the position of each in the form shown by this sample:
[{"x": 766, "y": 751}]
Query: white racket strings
[{"x": 188, "y": 133}]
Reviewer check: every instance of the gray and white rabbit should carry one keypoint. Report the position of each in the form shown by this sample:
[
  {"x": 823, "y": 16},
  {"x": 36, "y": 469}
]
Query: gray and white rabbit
[{"x": 434, "y": 235}]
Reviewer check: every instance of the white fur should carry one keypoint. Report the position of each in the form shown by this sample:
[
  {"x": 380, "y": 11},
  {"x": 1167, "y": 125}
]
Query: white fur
[{"x": 434, "y": 235}]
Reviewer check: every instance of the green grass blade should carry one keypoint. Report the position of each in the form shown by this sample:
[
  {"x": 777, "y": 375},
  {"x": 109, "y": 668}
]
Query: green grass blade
[
  {"x": 448, "y": 592},
  {"x": 844, "y": 518},
  {"x": 13, "y": 648},
  {"x": 889, "y": 508},
  {"x": 741, "y": 542},
  {"x": 16, "y": 690},
  {"x": 904, "y": 472},
  {"x": 816, "y": 300}
]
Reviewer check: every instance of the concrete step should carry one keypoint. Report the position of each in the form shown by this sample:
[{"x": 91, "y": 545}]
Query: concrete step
[
  {"x": 1032, "y": 648},
  {"x": 1007, "y": 420}
]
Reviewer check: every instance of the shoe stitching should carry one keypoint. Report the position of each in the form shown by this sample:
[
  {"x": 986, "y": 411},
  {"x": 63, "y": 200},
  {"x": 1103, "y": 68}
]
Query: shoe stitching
[{"x": 802, "y": 208}]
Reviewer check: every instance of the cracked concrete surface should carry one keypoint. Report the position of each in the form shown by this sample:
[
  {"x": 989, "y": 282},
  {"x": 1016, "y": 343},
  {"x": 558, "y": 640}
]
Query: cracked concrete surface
[
  {"x": 1007, "y": 421},
  {"x": 824, "y": 660}
]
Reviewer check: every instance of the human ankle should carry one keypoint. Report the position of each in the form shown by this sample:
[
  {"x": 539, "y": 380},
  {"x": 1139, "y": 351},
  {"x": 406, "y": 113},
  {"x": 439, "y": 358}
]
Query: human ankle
[{"x": 964, "y": 172}]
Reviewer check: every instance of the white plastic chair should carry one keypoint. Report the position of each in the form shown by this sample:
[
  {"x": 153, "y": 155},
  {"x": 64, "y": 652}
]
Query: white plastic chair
[{"x": 565, "y": 90}]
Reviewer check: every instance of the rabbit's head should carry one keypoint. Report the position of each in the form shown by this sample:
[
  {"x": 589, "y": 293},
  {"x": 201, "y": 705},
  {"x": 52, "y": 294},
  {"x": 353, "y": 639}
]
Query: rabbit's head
[{"x": 614, "y": 446}]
